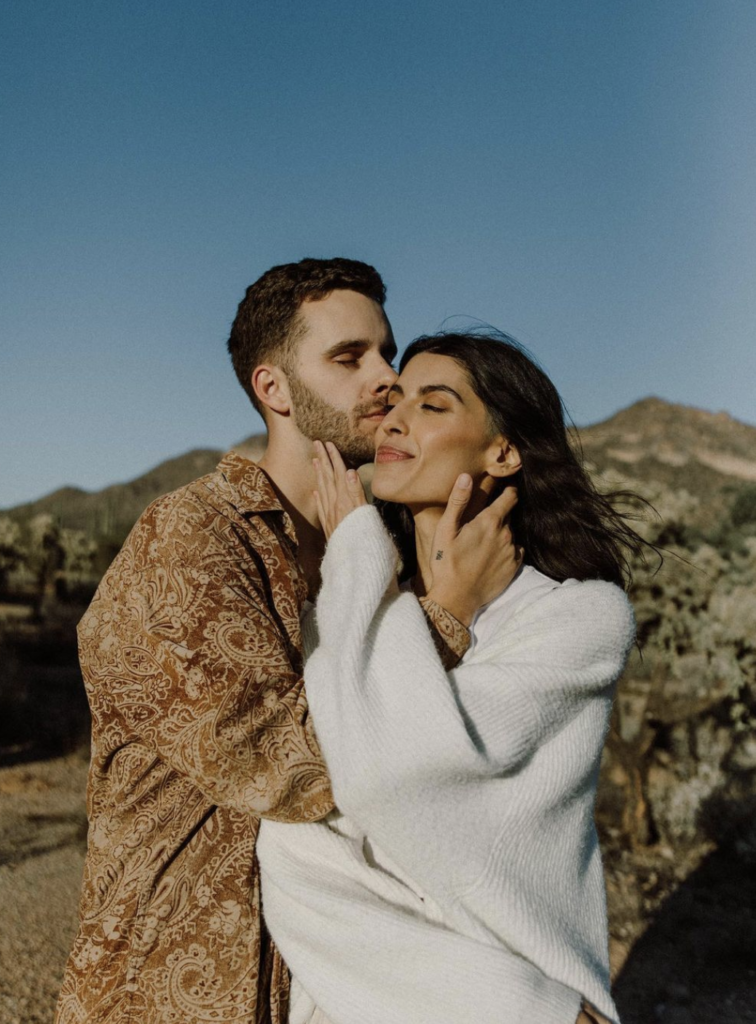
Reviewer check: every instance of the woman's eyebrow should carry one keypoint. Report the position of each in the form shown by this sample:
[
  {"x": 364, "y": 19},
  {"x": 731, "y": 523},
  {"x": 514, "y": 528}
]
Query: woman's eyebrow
[
  {"x": 397, "y": 389},
  {"x": 426, "y": 390}
]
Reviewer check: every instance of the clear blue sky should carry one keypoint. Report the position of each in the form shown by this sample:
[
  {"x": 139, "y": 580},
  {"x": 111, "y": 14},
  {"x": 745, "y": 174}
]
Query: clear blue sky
[{"x": 582, "y": 175}]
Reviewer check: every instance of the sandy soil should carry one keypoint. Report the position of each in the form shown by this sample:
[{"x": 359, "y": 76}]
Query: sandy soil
[
  {"x": 42, "y": 843},
  {"x": 694, "y": 963}
]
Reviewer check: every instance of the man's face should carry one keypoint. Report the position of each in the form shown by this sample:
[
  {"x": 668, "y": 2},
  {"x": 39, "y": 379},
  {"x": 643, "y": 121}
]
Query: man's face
[{"x": 341, "y": 372}]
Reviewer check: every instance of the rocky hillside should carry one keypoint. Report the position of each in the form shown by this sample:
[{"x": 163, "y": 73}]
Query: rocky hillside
[
  {"x": 676, "y": 440},
  {"x": 675, "y": 448}
]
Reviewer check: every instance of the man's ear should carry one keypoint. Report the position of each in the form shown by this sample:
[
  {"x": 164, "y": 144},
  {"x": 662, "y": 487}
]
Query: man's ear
[
  {"x": 272, "y": 388},
  {"x": 503, "y": 458}
]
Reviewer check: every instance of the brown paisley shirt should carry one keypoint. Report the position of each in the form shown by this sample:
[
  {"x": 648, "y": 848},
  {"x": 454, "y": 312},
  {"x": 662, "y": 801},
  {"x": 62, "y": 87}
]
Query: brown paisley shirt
[{"x": 191, "y": 657}]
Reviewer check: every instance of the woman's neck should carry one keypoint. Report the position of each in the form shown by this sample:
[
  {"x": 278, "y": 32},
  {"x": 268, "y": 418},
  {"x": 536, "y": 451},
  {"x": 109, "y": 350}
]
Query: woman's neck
[{"x": 426, "y": 520}]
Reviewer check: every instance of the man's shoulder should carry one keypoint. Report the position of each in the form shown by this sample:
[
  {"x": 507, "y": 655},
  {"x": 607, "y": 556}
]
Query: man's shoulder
[
  {"x": 193, "y": 505},
  {"x": 206, "y": 516}
]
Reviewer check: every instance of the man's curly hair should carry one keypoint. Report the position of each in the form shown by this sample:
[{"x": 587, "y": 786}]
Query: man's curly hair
[{"x": 267, "y": 323}]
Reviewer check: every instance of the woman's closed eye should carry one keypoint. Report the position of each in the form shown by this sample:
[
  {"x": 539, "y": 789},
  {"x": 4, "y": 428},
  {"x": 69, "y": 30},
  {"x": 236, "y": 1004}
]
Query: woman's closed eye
[{"x": 425, "y": 405}]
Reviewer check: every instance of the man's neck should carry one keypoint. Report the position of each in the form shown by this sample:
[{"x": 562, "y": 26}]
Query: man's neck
[{"x": 288, "y": 465}]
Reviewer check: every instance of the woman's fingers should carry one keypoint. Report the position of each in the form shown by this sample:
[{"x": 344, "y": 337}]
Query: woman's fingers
[
  {"x": 347, "y": 482},
  {"x": 504, "y": 504},
  {"x": 450, "y": 521},
  {"x": 335, "y": 457},
  {"x": 339, "y": 490},
  {"x": 321, "y": 479},
  {"x": 338, "y": 470},
  {"x": 324, "y": 474},
  {"x": 355, "y": 488},
  {"x": 322, "y": 515}
]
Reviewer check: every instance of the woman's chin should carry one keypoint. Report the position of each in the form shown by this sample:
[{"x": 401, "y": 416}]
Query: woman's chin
[
  {"x": 385, "y": 493},
  {"x": 383, "y": 486}
]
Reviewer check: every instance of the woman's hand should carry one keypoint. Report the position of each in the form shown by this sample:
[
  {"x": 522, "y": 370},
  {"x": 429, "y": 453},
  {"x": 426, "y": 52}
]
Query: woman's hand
[
  {"x": 471, "y": 564},
  {"x": 340, "y": 490}
]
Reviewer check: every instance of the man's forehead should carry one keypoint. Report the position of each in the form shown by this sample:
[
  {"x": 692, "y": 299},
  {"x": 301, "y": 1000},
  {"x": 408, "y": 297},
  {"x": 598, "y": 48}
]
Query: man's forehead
[{"x": 344, "y": 318}]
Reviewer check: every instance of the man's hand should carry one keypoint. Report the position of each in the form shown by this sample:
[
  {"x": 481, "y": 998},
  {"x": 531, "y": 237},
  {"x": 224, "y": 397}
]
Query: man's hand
[
  {"x": 340, "y": 490},
  {"x": 471, "y": 564}
]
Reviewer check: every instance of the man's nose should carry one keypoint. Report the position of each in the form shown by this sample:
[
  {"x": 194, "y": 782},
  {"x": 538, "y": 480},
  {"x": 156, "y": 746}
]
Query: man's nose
[{"x": 387, "y": 375}]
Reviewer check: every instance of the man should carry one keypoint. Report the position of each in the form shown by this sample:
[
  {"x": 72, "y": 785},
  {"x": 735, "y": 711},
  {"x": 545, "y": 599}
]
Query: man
[{"x": 191, "y": 657}]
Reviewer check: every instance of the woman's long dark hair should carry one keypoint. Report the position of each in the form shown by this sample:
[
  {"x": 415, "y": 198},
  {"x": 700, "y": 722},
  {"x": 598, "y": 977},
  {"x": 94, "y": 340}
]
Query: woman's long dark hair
[{"x": 568, "y": 529}]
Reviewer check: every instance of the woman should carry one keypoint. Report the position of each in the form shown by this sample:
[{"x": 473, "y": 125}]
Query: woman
[{"x": 461, "y": 880}]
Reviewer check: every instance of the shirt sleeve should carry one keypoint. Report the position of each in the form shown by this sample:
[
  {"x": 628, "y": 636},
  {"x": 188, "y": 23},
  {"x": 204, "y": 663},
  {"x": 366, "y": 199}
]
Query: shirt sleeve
[
  {"x": 450, "y": 636},
  {"x": 189, "y": 657}
]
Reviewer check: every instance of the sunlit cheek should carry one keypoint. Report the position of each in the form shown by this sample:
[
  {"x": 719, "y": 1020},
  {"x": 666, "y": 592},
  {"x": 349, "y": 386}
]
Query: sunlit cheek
[{"x": 435, "y": 477}]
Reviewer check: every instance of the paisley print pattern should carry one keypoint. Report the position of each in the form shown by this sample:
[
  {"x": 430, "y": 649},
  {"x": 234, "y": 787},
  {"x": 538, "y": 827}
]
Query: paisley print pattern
[
  {"x": 450, "y": 636},
  {"x": 191, "y": 656}
]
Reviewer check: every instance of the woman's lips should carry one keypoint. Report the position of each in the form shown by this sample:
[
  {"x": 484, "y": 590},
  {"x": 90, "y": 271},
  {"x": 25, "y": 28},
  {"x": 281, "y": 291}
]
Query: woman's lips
[{"x": 386, "y": 454}]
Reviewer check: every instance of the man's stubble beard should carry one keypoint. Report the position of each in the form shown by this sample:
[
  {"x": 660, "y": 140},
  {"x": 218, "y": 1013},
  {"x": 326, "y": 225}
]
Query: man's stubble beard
[{"x": 319, "y": 421}]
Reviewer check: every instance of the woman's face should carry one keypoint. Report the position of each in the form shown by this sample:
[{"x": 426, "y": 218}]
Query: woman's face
[{"x": 436, "y": 428}]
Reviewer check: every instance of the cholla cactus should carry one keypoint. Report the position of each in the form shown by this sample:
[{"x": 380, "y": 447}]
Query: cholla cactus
[
  {"x": 79, "y": 552},
  {"x": 12, "y": 552}
]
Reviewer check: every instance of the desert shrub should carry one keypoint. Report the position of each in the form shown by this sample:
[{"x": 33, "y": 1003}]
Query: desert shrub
[
  {"x": 743, "y": 511},
  {"x": 685, "y": 714},
  {"x": 12, "y": 552}
]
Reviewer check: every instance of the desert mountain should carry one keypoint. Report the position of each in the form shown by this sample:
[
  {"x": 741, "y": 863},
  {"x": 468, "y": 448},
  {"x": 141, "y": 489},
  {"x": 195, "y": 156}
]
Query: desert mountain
[{"x": 675, "y": 444}]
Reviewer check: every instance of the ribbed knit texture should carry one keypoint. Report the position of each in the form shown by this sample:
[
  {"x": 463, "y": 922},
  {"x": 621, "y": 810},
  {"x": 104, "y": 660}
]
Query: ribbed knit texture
[{"x": 475, "y": 791}]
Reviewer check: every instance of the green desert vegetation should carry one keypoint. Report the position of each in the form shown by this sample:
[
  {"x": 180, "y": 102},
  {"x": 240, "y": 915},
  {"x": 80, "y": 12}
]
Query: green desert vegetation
[{"x": 684, "y": 743}]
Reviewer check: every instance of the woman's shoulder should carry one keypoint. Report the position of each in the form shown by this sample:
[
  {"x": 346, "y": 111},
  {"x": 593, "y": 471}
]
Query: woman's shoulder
[
  {"x": 584, "y": 597},
  {"x": 536, "y": 603}
]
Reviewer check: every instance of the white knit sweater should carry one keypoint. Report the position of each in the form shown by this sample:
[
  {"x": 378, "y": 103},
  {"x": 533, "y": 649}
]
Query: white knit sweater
[{"x": 462, "y": 880}]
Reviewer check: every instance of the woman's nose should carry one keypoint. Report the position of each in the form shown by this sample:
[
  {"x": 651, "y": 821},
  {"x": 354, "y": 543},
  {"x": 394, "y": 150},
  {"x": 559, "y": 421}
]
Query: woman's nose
[{"x": 393, "y": 422}]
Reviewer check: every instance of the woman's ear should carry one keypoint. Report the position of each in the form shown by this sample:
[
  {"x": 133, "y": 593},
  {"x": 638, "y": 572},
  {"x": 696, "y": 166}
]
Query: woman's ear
[
  {"x": 272, "y": 390},
  {"x": 503, "y": 458}
]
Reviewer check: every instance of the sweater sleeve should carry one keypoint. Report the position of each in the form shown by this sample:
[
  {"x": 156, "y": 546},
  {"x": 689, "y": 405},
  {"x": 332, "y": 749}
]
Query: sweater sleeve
[{"x": 413, "y": 753}]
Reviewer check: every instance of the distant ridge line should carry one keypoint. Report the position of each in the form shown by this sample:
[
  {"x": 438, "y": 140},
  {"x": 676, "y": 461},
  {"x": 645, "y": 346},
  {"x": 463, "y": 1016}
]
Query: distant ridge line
[{"x": 681, "y": 447}]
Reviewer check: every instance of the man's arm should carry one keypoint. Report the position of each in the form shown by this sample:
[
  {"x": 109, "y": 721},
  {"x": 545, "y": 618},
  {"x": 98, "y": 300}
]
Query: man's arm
[
  {"x": 191, "y": 657},
  {"x": 450, "y": 636}
]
